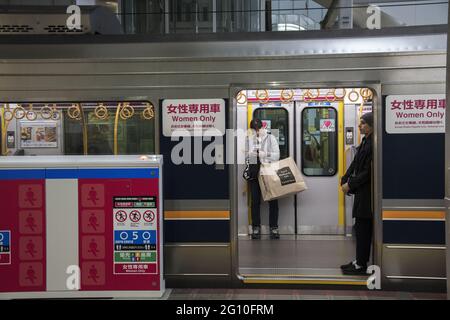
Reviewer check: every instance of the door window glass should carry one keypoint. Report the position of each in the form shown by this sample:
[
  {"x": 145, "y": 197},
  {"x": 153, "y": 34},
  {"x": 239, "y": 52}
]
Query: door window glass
[
  {"x": 319, "y": 141},
  {"x": 276, "y": 119}
]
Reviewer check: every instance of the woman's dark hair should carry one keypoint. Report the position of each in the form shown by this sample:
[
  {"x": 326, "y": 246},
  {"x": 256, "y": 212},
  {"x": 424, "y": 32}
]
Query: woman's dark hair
[{"x": 256, "y": 124}]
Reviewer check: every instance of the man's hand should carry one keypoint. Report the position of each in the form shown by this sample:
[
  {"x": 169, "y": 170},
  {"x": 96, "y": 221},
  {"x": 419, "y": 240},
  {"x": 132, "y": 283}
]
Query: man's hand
[{"x": 345, "y": 188}]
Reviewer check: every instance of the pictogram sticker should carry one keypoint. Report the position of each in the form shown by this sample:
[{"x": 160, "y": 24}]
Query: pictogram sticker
[
  {"x": 121, "y": 216},
  {"x": 135, "y": 216},
  {"x": 149, "y": 216}
]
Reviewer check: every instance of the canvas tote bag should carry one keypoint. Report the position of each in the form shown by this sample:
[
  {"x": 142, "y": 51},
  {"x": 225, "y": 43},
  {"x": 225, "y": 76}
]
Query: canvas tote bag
[{"x": 280, "y": 179}]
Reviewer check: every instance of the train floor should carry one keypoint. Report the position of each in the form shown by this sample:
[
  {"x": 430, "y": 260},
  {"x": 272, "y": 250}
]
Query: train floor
[{"x": 295, "y": 255}]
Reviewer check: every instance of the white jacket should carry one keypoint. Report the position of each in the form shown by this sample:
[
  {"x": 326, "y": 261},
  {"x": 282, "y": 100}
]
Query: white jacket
[{"x": 265, "y": 143}]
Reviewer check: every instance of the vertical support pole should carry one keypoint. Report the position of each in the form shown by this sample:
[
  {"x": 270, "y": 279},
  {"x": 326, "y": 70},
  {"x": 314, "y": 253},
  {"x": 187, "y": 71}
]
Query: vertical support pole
[
  {"x": 4, "y": 125},
  {"x": 345, "y": 14},
  {"x": 249, "y": 196},
  {"x": 196, "y": 16},
  {"x": 262, "y": 15},
  {"x": 166, "y": 17},
  {"x": 116, "y": 129},
  {"x": 341, "y": 166},
  {"x": 214, "y": 16},
  {"x": 85, "y": 133}
]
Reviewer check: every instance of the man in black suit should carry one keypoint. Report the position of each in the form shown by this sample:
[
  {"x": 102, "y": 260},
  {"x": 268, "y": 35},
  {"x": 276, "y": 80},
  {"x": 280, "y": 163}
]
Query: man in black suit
[{"x": 358, "y": 181}]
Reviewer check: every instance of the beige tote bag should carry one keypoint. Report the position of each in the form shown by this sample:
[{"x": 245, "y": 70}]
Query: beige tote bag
[{"x": 280, "y": 179}]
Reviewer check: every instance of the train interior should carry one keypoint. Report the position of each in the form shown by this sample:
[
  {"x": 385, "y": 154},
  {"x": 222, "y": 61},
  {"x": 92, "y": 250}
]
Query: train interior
[
  {"x": 318, "y": 128},
  {"x": 78, "y": 128}
]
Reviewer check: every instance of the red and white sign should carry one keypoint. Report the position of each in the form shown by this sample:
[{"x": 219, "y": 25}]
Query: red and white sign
[
  {"x": 327, "y": 125},
  {"x": 118, "y": 249},
  {"x": 135, "y": 268},
  {"x": 193, "y": 117},
  {"x": 266, "y": 124},
  {"x": 415, "y": 113}
]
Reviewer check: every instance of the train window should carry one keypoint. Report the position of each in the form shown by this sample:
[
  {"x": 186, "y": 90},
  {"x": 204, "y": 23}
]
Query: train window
[
  {"x": 100, "y": 134},
  {"x": 135, "y": 135},
  {"x": 319, "y": 141},
  {"x": 73, "y": 136},
  {"x": 61, "y": 128},
  {"x": 276, "y": 118}
]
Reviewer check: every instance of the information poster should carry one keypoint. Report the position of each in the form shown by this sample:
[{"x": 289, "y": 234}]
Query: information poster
[
  {"x": 135, "y": 235},
  {"x": 38, "y": 135}
]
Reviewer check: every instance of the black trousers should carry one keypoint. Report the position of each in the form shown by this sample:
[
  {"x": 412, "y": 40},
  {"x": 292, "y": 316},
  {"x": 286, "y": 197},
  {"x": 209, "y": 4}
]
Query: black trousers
[
  {"x": 256, "y": 206},
  {"x": 363, "y": 231}
]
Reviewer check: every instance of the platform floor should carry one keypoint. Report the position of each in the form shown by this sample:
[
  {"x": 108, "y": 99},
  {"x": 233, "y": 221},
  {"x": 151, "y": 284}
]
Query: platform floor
[{"x": 291, "y": 294}]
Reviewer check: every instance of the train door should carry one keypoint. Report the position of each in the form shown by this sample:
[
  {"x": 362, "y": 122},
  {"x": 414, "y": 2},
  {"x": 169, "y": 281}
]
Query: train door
[
  {"x": 321, "y": 134},
  {"x": 317, "y": 157},
  {"x": 326, "y": 138}
]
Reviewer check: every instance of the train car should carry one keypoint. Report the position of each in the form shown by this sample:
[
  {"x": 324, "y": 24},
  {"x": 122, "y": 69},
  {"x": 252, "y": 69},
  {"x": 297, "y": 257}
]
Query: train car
[{"x": 128, "y": 95}]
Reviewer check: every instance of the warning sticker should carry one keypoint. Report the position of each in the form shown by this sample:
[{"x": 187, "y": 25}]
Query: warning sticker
[
  {"x": 327, "y": 125},
  {"x": 135, "y": 235}
]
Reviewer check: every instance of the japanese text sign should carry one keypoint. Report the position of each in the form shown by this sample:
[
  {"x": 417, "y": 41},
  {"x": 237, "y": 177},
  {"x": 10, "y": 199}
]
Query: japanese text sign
[
  {"x": 196, "y": 117},
  {"x": 415, "y": 113}
]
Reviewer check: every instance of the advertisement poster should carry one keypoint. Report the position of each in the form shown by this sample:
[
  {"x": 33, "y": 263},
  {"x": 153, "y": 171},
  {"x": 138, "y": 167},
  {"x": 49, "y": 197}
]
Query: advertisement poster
[
  {"x": 38, "y": 135},
  {"x": 193, "y": 117},
  {"x": 135, "y": 235},
  {"x": 11, "y": 140},
  {"x": 415, "y": 113}
]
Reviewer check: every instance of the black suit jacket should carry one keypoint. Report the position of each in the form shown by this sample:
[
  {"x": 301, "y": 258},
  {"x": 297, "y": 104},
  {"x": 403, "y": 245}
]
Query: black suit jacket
[{"x": 359, "y": 179}]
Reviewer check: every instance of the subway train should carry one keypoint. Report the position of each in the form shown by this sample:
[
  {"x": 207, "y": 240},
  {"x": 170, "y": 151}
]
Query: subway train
[{"x": 120, "y": 95}]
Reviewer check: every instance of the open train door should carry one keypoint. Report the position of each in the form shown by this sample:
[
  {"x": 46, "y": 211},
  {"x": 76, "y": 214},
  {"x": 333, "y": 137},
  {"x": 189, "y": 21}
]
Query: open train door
[{"x": 318, "y": 128}]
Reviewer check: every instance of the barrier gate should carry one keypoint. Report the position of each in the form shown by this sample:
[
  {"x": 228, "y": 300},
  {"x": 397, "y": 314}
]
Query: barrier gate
[{"x": 81, "y": 226}]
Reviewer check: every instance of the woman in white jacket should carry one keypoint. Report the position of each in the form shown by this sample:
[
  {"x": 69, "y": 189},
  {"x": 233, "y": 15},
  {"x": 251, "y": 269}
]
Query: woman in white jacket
[{"x": 262, "y": 147}]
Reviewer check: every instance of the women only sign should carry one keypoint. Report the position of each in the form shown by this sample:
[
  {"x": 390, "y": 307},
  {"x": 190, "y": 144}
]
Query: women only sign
[
  {"x": 415, "y": 114},
  {"x": 193, "y": 117}
]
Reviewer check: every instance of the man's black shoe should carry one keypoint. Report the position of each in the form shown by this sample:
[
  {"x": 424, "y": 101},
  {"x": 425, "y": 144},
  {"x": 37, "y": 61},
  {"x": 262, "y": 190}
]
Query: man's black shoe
[
  {"x": 353, "y": 271},
  {"x": 348, "y": 265}
]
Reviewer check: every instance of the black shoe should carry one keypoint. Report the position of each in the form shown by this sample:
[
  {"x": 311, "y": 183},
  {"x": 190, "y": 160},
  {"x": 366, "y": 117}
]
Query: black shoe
[
  {"x": 256, "y": 233},
  {"x": 348, "y": 265},
  {"x": 353, "y": 271},
  {"x": 274, "y": 234}
]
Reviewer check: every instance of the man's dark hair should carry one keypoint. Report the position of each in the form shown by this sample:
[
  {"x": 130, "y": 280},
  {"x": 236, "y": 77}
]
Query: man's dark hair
[{"x": 368, "y": 118}]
